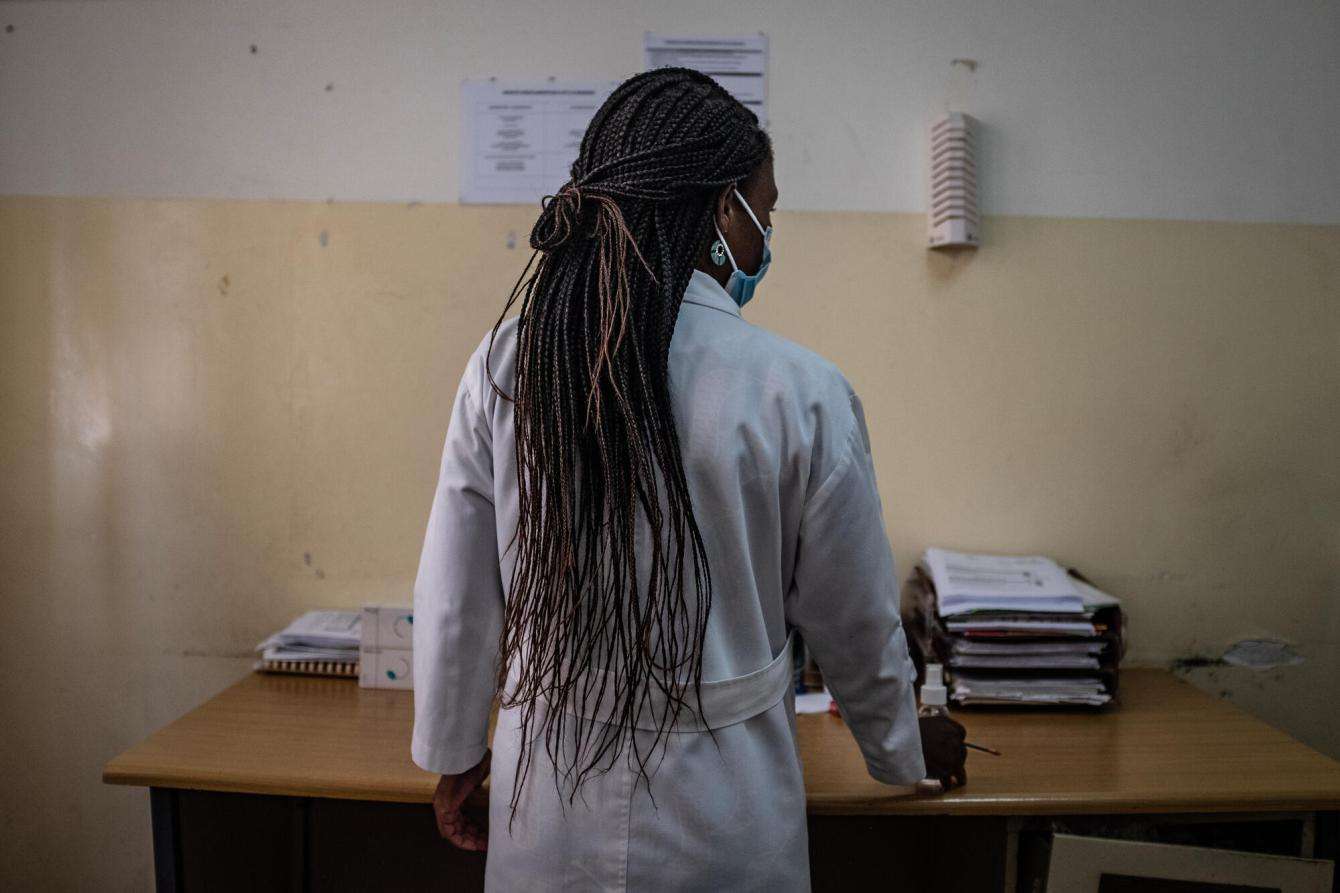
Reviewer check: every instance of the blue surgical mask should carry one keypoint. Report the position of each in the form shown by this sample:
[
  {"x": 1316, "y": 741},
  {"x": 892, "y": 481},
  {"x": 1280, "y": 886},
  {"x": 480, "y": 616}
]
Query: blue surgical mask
[{"x": 741, "y": 285}]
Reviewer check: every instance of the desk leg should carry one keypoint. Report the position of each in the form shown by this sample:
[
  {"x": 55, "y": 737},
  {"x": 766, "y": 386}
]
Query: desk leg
[
  {"x": 1327, "y": 842},
  {"x": 167, "y": 839},
  {"x": 1013, "y": 825}
]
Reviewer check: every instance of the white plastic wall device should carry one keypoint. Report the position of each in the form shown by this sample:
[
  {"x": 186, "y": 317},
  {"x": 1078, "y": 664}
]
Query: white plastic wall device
[{"x": 953, "y": 214}]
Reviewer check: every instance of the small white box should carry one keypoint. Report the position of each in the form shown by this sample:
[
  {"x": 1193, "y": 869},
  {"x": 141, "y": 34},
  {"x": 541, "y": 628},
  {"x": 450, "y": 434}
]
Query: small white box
[
  {"x": 386, "y": 668},
  {"x": 385, "y": 655},
  {"x": 388, "y": 626}
]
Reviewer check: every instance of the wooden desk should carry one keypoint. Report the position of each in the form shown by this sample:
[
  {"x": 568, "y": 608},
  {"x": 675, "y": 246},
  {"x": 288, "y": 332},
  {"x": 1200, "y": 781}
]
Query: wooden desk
[{"x": 1166, "y": 749}]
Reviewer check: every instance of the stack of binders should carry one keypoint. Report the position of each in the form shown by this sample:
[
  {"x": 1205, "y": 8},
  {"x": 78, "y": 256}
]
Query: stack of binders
[
  {"x": 1014, "y": 630},
  {"x": 319, "y": 643}
]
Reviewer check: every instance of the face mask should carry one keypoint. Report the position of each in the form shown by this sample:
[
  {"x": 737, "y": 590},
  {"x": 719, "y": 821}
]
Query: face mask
[{"x": 741, "y": 285}]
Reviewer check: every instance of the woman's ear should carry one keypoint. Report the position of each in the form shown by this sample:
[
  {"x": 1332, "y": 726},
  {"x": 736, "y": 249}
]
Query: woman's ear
[{"x": 725, "y": 208}]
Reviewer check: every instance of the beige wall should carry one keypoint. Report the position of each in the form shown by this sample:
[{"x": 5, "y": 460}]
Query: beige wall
[
  {"x": 1167, "y": 109},
  {"x": 218, "y": 413}
]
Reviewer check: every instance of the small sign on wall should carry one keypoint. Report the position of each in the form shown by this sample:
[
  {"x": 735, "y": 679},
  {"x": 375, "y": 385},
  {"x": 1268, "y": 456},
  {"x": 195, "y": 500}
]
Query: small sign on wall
[
  {"x": 740, "y": 64},
  {"x": 520, "y": 138}
]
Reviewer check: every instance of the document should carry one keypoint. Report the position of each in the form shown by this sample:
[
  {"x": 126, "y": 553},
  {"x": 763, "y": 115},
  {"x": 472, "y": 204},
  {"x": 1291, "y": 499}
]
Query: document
[
  {"x": 1081, "y": 690},
  {"x": 1025, "y": 627},
  {"x": 321, "y": 629},
  {"x": 971, "y": 646},
  {"x": 297, "y": 653},
  {"x": 519, "y": 139},
  {"x": 316, "y": 635},
  {"x": 740, "y": 64},
  {"x": 965, "y": 583},
  {"x": 1026, "y": 661}
]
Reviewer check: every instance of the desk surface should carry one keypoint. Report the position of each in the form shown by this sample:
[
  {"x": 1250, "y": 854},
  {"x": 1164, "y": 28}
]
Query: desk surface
[{"x": 1166, "y": 748}]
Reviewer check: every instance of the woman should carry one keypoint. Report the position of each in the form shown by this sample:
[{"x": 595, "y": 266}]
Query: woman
[{"x": 640, "y": 495}]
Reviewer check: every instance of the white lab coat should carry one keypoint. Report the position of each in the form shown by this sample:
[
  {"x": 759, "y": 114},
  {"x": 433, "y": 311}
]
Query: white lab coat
[{"x": 778, "y": 464}]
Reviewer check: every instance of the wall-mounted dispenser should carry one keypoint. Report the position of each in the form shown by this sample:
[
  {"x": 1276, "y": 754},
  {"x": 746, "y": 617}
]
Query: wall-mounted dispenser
[{"x": 954, "y": 219}]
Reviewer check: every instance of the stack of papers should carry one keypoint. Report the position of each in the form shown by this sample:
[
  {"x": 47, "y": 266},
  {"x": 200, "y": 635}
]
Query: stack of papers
[
  {"x": 1081, "y": 655},
  {"x": 316, "y": 636},
  {"x": 968, "y": 583},
  {"x": 1075, "y": 690},
  {"x": 1021, "y": 630},
  {"x": 1004, "y": 625}
]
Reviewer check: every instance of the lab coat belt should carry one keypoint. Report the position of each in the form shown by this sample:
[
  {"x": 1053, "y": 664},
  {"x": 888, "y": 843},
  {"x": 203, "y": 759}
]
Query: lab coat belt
[{"x": 724, "y": 701}]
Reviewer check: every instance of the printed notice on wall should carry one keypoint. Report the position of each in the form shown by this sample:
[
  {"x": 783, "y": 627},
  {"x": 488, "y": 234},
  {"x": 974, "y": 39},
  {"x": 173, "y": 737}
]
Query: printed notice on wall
[
  {"x": 519, "y": 139},
  {"x": 740, "y": 64}
]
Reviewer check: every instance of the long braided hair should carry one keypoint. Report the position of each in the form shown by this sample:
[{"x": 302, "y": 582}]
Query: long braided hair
[{"x": 597, "y": 452}]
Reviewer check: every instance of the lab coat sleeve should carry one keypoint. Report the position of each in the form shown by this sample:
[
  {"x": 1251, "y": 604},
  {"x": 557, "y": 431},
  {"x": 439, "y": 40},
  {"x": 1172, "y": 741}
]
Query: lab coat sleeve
[
  {"x": 845, "y": 603},
  {"x": 458, "y": 599}
]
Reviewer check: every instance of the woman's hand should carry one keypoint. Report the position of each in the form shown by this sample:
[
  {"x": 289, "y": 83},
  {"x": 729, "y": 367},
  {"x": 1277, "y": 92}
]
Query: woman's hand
[
  {"x": 452, "y": 790},
  {"x": 942, "y": 746}
]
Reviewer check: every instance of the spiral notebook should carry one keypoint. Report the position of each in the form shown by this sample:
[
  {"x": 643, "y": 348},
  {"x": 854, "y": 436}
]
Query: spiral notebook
[{"x": 342, "y": 669}]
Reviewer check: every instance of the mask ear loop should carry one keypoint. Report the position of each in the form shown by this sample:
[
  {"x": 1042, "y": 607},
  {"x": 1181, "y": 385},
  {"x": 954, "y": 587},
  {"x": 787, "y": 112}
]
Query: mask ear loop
[
  {"x": 749, "y": 211},
  {"x": 722, "y": 239}
]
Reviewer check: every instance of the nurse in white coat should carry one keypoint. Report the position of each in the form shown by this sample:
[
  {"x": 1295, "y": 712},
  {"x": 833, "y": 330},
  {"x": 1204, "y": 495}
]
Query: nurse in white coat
[{"x": 641, "y": 496}]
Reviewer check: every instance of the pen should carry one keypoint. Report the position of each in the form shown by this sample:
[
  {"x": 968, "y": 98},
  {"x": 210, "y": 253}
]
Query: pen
[{"x": 981, "y": 748}]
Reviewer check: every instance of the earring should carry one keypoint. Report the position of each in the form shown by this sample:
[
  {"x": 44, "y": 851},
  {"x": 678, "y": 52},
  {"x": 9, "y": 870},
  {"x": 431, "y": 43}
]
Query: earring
[{"x": 718, "y": 252}]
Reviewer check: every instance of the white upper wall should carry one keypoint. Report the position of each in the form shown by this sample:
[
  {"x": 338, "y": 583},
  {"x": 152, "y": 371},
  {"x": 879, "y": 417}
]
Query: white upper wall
[{"x": 1221, "y": 109}]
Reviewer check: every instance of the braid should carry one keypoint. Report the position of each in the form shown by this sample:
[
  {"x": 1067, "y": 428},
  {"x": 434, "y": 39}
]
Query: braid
[{"x": 598, "y": 455}]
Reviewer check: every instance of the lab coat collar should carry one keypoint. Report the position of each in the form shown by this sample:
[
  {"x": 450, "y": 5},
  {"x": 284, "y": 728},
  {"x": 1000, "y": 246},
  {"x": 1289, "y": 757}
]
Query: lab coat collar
[{"x": 707, "y": 292}]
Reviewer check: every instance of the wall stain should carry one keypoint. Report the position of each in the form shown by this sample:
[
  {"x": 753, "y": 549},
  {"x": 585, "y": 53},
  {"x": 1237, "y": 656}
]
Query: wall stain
[
  {"x": 1190, "y": 435},
  {"x": 224, "y": 282},
  {"x": 307, "y": 558},
  {"x": 324, "y": 238},
  {"x": 1197, "y": 661}
]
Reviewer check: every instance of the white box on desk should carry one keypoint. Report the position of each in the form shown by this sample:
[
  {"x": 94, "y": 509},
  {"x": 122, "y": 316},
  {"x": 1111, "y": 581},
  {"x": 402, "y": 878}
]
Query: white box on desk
[
  {"x": 387, "y": 626},
  {"x": 386, "y": 668},
  {"x": 385, "y": 658}
]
